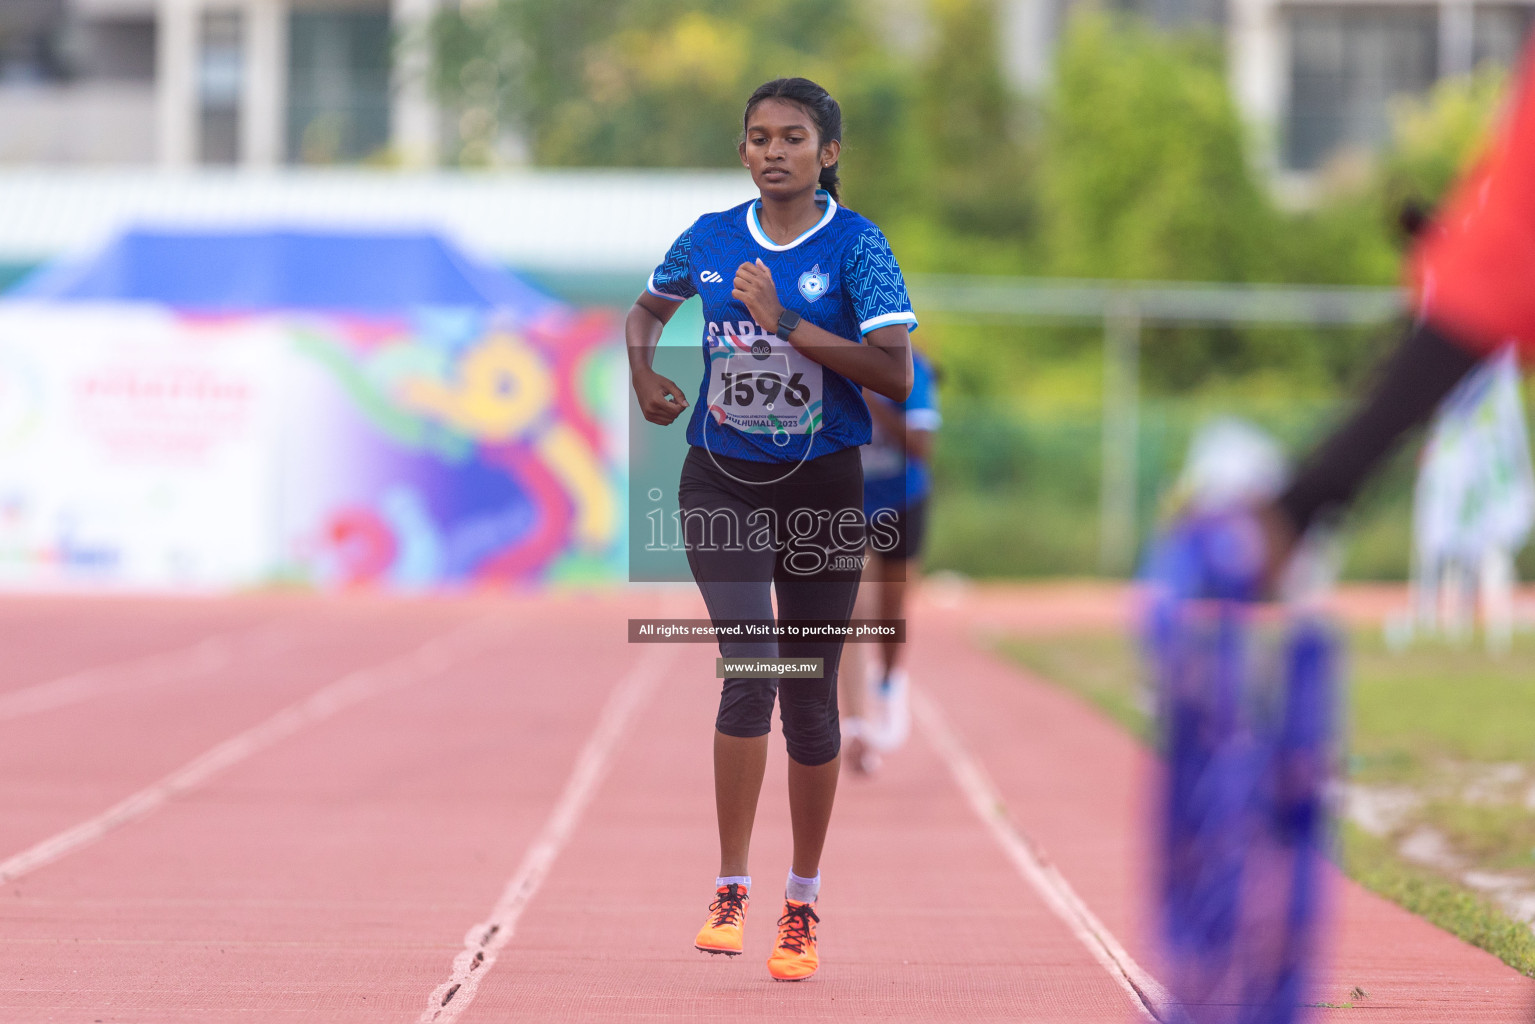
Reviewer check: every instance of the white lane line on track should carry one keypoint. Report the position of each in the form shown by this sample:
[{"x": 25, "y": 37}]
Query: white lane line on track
[
  {"x": 201, "y": 658},
  {"x": 1149, "y": 997},
  {"x": 431, "y": 658},
  {"x": 486, "y": 939}
]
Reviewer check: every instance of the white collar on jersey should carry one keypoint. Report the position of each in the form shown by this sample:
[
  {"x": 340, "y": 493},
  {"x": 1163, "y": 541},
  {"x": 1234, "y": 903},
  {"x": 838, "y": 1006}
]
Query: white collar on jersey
[{"x": 767, "y": 243}]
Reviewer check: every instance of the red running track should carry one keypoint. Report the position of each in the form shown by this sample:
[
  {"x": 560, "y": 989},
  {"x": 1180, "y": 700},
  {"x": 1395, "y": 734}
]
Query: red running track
[{"x": 288, "y": 808}]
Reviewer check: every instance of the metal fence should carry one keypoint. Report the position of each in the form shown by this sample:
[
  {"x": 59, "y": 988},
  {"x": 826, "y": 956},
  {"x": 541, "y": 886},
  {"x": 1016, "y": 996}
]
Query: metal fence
[{"x": 1125, "y": 309}]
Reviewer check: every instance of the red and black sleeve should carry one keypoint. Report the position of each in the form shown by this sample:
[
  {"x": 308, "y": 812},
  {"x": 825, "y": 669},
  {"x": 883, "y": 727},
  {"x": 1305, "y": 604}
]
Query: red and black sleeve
[{"x": 1472, "y": 275}]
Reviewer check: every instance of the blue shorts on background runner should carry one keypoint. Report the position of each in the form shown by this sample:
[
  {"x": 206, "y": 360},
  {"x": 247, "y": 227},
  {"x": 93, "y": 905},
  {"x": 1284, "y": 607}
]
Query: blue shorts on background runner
[{"x": 894, "y": 479}]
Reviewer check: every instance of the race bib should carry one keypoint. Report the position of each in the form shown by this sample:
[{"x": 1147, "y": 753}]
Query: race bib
[{"x": 769, "y": 388}]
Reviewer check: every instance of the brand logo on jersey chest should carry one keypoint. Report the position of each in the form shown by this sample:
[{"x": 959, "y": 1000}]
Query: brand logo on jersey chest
[{"x": 710, "y": 277}]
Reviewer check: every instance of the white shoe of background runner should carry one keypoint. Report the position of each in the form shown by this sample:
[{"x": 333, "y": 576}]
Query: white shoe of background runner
[
  {"x": 891, "y": 719},
  {"x": 876, "y": 719},
  {"x": 858, "y": 750}
]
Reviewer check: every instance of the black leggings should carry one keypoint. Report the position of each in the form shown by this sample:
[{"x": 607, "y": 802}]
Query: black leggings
[{"x": 750, "y": 534}]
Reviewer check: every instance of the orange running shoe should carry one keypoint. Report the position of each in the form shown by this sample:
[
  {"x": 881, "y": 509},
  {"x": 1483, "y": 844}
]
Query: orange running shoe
[
  {"x": 721, "y": 933},
  {"x": 795, "y": 958}
]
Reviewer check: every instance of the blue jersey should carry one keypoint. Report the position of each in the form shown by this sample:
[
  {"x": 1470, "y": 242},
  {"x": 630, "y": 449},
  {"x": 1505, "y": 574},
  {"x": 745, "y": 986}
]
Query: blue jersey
[
  {"x": 761, "y": 398},
  {"x": 892, "y": 476}
]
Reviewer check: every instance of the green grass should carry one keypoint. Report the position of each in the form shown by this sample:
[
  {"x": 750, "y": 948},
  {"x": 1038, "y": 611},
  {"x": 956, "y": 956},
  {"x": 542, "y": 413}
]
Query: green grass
[
  {"x": 1498, "y": 837},
  {"x": 1045, "y": 537},
  {"x": 1428, "y": 719},
  {"x": 1370, "y": 861},
  {"x": 1438, "y": 702},
  {"x": 1405, "y": 711}
]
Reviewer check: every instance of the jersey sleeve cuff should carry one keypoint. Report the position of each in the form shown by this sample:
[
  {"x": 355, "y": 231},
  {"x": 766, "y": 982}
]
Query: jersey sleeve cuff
[
  {"x": 908, "y": 318},
  {"x": 650, "y": 286}
]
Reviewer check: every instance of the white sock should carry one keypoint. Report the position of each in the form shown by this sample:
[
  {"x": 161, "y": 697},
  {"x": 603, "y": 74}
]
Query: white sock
[
  {"x": 744, "y": 881},
  {"x": 802, "y": 890}
]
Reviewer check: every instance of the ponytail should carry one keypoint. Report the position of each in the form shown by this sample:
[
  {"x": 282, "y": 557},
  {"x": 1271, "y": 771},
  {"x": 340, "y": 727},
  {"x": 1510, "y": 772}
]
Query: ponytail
[{"x": 830, "y": 181}]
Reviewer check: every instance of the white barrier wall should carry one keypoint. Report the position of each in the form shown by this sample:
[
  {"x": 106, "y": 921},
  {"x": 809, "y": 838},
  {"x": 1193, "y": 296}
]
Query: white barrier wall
[{"x": 135, "y": 448}]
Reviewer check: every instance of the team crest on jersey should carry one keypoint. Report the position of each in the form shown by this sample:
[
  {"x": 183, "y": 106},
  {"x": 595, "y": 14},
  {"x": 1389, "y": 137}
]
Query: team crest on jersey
[{"x": 813, "y": 283}]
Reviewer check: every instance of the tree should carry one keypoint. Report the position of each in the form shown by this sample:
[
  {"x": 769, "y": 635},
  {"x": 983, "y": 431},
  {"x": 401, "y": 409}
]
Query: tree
[
  {"x": 1145, "y": 172},
  {"x": 1435, "y": 137},
  {"x": 642, "y": 83},
  {"x": 973, "y": 129}
]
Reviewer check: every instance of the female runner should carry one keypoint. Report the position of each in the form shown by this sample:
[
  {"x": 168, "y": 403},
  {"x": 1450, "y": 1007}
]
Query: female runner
[{"x": 804, "y": 305}]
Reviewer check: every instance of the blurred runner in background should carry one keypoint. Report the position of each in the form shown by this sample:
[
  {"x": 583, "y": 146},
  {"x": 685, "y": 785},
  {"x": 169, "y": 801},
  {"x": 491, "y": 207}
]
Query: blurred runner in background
[{"x": 876, "y": 705}]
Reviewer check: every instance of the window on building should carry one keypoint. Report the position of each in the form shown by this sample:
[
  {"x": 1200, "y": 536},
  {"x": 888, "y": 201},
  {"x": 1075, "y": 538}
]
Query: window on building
[
  {"x": 338, "y": 86},
  {"x": 1179, "y": 13},
  {"x": 117, "y": 50},
  {"x": 31, "y": 41},
  {"x": 1346, "y": 65},
  {"x": 220, "y": 73},
  {"x": 1498, "y": 34}
]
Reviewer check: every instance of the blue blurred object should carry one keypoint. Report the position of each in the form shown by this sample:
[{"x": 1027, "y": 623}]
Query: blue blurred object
[
  {"x": 1246, "y": 723},
  {"x": 341, "y": 271}
]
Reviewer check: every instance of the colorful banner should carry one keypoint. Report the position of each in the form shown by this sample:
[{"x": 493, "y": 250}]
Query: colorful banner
[
  {"x": 448, "y": 448},
  {"x": 1476, "y": 489}
]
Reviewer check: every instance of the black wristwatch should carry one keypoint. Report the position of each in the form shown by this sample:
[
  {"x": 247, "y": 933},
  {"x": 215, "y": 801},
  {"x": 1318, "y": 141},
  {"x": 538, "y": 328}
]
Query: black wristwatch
[{"x": 787, "y": 321}]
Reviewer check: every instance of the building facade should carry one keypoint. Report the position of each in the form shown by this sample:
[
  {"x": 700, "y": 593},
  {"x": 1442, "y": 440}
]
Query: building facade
[
  {"x": 1313, "y": 76},
  {"x": 183, "y": 83},
  {"x": 265, "y": 83},
  {"x": 1320, "y": 75}
]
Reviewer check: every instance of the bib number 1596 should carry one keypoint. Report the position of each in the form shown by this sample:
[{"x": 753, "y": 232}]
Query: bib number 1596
[{"x": 745, "y": 387}]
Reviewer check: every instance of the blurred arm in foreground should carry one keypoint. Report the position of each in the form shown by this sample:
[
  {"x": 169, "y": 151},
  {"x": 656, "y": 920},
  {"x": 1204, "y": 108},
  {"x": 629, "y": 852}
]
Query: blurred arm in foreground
[{"x": 1472, "y": 275}]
